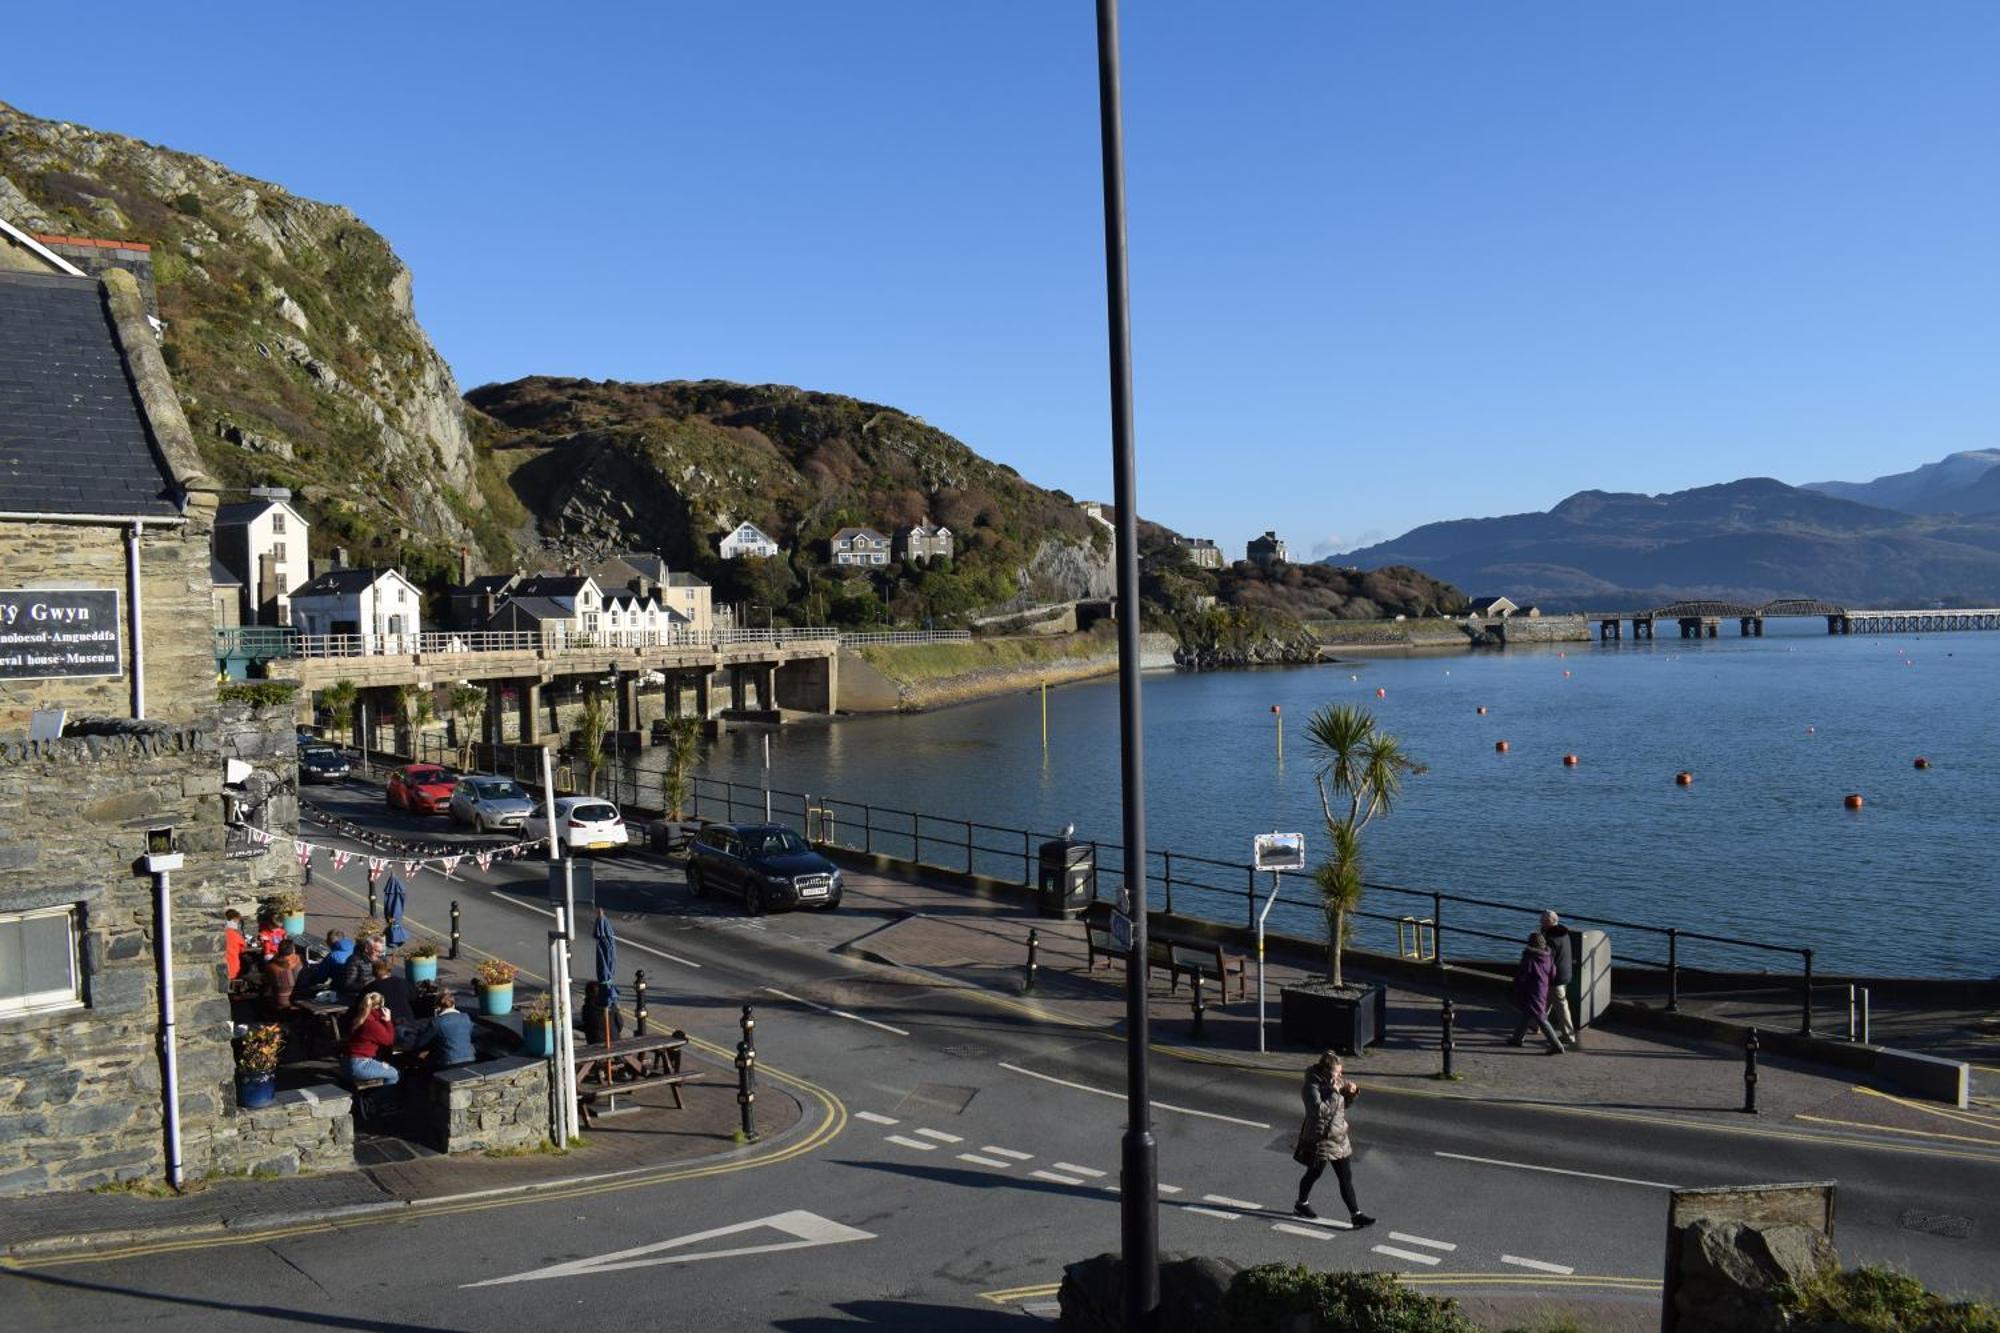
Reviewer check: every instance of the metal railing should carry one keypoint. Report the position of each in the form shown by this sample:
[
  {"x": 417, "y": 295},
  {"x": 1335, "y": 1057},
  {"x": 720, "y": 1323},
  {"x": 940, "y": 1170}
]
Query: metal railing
[
  {"x": 869, "y": 638},
  {"x": 1206, "y": 886},
  {"x": 271, "y": 642}
]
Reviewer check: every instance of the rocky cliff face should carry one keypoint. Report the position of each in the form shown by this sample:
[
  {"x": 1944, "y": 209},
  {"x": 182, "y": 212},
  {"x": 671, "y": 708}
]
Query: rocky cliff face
[{"x": 290, "y": 330}]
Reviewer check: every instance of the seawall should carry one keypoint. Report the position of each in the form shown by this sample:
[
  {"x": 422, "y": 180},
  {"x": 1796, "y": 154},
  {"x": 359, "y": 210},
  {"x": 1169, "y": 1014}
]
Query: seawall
[{"x": 909, "y": 678}]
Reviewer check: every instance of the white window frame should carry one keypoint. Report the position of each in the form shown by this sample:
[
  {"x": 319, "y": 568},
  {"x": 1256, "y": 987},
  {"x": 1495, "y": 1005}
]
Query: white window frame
[{"x": 43, "y": 1002}]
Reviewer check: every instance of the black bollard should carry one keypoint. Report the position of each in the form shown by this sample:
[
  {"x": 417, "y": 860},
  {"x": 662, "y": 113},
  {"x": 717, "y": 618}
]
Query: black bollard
[
  {"x": 1750, "y": 1046},
  {"x": 639, "y": 1003},
  {"x": 374, "y": 908},
  {"x": 746, "y": 1085},
  {"x": 454, "y": 928},
  {"x": 1445, "y": 1044},
  {"x": 1034, "y": 943},
  {"x": 749, "y": 1024},
  {"x": 1200, "y": 1009}
]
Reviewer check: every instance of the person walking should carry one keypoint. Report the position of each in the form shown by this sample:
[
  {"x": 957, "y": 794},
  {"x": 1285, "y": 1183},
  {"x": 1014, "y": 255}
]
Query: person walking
[
  {"x": 1532, "y": 979},
  {"x": 1562, "y": 952},
  {"x": 1323, "y": 1136}
]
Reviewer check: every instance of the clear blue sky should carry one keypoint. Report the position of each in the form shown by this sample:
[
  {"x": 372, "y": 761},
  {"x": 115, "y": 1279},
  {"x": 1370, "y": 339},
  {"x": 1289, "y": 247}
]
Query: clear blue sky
[{"x": 1391, "y": 262}]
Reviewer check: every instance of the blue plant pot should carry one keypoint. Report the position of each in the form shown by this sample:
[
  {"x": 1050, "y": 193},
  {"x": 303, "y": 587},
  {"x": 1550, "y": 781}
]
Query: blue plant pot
[
  {"x": 295, "y": 924},
  {"x": 538, "y": 1039},
  {"x": 420, "y": 970},
  {"x": 255, "y": 1090},
  {"x": 496, "y": 1000}
]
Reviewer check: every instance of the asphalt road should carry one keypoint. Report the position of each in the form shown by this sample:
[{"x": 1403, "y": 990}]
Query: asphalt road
[{"x": 956, "y": 1152}]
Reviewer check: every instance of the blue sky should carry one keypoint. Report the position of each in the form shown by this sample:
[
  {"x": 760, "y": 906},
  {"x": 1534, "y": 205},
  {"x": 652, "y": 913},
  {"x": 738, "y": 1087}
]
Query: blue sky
[{"x": 1391, "y": 263}]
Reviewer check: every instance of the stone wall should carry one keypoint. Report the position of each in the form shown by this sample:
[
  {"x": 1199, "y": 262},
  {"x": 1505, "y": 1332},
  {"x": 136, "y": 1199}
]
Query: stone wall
[
  {"x": 494, "y": 1104},
  {"x": 303, "y": 1129}
]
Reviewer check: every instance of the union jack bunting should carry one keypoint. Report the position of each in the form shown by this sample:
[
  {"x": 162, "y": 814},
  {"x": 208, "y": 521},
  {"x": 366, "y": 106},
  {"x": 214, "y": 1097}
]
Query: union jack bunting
[
  {"x": 451, "y": 864},
  {"x": 305, "y": 853},
  {"x": 484, "y": 860},
  {"x": 411, "y": 867},
  {"x": 340, "y": 859}
]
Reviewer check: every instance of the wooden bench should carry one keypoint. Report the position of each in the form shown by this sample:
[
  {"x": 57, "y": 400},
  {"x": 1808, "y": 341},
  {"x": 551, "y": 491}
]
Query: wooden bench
[
  {"x": 1178, "y": 956},
  {"x": 606, "y": 1073}
]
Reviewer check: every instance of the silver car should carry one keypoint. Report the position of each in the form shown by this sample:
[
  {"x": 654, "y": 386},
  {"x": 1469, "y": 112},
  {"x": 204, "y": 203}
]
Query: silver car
[{"x": 491, "y": 805}]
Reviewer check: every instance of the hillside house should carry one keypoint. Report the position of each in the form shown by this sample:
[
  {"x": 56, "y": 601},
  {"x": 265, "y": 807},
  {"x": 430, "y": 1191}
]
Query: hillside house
[
  {"x": 858, "y": 546},
  {"x": 380, "y": 609},
  {"x": 924, "y": 541},
  {"x": 1268, "y": 549},
  {"x": 746, "y": 540},
  {"x": 1202, "y": 552},
  {"x": 1494, "y": 608},
  {"x": 562, "y": 607},
  {"x": 263, "y": 543},
  {"x": 686, "y": 595},
  {"x": 473, "y": 603}
]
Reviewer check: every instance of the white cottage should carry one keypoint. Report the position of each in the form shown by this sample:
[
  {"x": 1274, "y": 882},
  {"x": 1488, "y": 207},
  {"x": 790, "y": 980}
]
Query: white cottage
[
  {"x": 381, "y": 609},
  {"x": 263, "y": 543},
  {"x": 747, "y": 540}
]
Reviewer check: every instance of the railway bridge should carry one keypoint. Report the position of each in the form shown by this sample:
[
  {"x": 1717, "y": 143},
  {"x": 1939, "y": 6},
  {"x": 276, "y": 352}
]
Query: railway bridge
[{"x": 1703, "y": 619}]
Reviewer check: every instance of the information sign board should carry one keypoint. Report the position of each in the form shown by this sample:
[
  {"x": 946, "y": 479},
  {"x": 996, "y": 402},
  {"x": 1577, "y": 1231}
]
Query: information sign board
[
  {"x": 48, "y": 633},
  {"x": 1279, "y": 851}
]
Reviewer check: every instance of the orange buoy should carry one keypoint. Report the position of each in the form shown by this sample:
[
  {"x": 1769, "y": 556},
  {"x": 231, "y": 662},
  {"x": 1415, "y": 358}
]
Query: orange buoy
[
  {"x": 1684, "y": 779},
  {"x": 1810, "y": 730},
  {"x": 1276, "y": 709},
  {"x": 1569, "y": 761},
  {"x": 1500, "y": 747},
  {"x": 1381, "y": 693},
  {"x": 1853, "y": 801},
  {"x": 1923, "y": 762},
  {"x": 1482, "y": 710},
  {"x": 1565, "y": 675}
]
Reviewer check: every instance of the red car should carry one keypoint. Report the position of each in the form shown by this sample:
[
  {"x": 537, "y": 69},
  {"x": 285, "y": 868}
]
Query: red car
[{"x": 422, "y": 789}]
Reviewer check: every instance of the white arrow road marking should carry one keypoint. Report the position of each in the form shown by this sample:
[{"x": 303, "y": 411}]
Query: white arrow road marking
[
  {"x": 1411, "y": 1255},
  {"x": 806, "y": 1229},
  {"x": 1536, "y": 1264}
]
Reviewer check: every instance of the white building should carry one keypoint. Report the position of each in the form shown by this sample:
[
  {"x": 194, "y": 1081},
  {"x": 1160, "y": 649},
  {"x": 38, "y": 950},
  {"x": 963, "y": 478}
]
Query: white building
[
  {"x": 381, "y": 609},
  {"x": 747, "y": 540},
  {"x": 686, "y": 595},
  {"x": 263, "y": 543}
]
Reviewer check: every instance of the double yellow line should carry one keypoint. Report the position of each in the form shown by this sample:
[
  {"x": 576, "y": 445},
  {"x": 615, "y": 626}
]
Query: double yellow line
[{"x": 1643, "y": 1286}]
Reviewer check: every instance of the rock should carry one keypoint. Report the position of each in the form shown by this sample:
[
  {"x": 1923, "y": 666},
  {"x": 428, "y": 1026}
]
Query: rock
[{"x": 1732, "y": 1273}]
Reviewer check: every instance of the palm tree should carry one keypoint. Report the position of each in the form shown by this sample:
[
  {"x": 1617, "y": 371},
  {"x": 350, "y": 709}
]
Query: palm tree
[
  {"x": 1359, "y": 777},
  {"x": 338, "y": 699},
  {"x": 596, "y": 721},
  {"x": 683, "y": 747},
  {"x": 415, "y": 704},
  {"x": 467, "y": 703}
]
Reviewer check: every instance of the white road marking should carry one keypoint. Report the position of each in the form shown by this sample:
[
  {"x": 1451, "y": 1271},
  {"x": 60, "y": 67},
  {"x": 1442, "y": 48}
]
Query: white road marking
[
  {"x": 1009, "y": 1152},
  {"x": 1076, "y": 1170},
  {"x": 1058, "y": 1179},
  {"x": 1411, "y": 1255},
  {"x": 806, "y": 1230},
  {"x": 1408, "y": 1239},
  {"x": 977, "y": 1160},
  {"x": 829, "y": 1009},
  {"x": 1556, "y": 1170},
  {"x": 1536, "y": 1264},
  {"x": 1333, "y": 1222},
  {"x": 874, "y": 1119},
  {"x": 622, "y": 940},
  {"x": 940, "y": 1136},
  {"x": 1168, "y": 1189},
  {"x": 1228, "y": 1202},
  {"x": 1210, "y": 1212},
  {"x": 1291, "y": 1229},
  {"x": 918, "y": 1144},
  {"x": 1158, "y": 1106}
]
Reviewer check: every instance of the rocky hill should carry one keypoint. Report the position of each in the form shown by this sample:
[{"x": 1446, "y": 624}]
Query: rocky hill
[
  {"x": 1952, "y": 485},
  {"x": 1751, "y": 540},
  {"x": 291, "y": 334}
]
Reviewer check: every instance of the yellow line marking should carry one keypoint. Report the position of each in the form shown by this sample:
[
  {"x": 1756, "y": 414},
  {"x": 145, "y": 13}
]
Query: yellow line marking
[
  {"x": 1892, "y": 1129},
  {"x": 1639, "y": 1284},
  {"x": 1948, "y": 1112},
  {"x": 1013, "y": 1294}
]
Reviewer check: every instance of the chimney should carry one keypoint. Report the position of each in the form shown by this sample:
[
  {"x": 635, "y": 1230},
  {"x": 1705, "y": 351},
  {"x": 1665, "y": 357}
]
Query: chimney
[
  {"x": 488, "y": 602},
  {"x": 464, "y": 566}
]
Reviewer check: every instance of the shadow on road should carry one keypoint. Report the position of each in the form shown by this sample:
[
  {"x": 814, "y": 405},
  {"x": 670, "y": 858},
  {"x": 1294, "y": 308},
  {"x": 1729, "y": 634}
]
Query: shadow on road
[
  {"x": 904, "y": 1315},
  {"x": 281, "y": 1314}
]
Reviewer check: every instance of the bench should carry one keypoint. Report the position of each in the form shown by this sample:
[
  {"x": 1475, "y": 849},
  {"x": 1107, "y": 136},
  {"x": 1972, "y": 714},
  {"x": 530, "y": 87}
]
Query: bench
[
  {"x": 606, "y": 1073},
  {"x": 1178, "y": 956}
]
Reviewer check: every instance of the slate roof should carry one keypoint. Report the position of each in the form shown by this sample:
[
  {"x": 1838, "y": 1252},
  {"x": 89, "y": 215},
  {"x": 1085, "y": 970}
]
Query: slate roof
[
  {"x": 533, "y": 608},
  {"x": 847, "y": 533},
  {"x": 550, "y": 585},
  {"x": 341, "y": 583},
  {"x": 219, "y": 575},
  {"x": 73, "y": 437},
  {"x": 685, "y": 581},
  {"x": 485, "y": 583},
  {"x": 249, "y": 511}
]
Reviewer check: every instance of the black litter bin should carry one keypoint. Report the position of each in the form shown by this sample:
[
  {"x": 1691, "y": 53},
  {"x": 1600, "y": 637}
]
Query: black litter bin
[{"x": 1068, "y": 880}]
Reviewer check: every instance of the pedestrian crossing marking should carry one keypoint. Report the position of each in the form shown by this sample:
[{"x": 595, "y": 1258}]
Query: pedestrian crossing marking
[
  {"x": 1408, "y": 1239},
  {"x": 1536, "y": 1264},
  {"x": 1008, "y": 1152},
  {"x": 940, "y": 1136},
  {"x": 1412, "y": 1255},
  {"x": 1060, "y": 1180},
  {"x": 1290, "y": 1229},
  {"x": 977, "y": 1160},
  {"x": 918, "y": 1144},
  {"x": 874, "y": 1119}
]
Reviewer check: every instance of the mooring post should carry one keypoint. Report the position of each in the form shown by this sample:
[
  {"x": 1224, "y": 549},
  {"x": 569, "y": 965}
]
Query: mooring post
[
  {"x": 1034, "y": 943},
  {"x": 1750, "y": 1046},
  {"x": 454, "y": 928},
  {"x": 1200, "y": 1009},
  {"x": 639, "y": 1003},
  {"x": 1445, "y": 1043}
]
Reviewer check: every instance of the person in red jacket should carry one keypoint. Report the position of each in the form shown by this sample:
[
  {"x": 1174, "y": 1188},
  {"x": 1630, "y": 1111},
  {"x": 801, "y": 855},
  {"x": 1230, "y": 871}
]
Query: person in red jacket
[
  {"x": 232, "y": 942},
  {"x": 369, "y": 1038}
]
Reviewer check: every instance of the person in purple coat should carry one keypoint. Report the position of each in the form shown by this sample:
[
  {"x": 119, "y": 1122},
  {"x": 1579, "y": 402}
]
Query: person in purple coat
[{"x": 1534, "y": 979}]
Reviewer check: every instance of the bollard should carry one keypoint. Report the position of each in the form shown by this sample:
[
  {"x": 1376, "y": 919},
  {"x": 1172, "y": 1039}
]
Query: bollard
[
  {"x": 1806, "y": 1018},
  {"x": 749, "y": 1025},
  {"x": 1673, "y": 970},
  {"x": 454, "y": 928},
  {"x": 1750, "y": 1073},
  {"x": 639, "y": 1003},
  {"x": 1034, "y": 943},
  {"x": 1866, "y": 1040},
  {"x": 1445, "y": 1043},
  {"x": 746, "y": 1084},
  {"x": 1200, "y": 1007},
  {"x": 374, "y": 908}
]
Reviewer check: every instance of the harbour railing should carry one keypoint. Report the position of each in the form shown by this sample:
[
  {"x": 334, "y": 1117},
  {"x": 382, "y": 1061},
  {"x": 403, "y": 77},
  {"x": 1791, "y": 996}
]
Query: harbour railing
[
  {"x": 264, "y": 643},
  {"x": 1208, "y": 888}
]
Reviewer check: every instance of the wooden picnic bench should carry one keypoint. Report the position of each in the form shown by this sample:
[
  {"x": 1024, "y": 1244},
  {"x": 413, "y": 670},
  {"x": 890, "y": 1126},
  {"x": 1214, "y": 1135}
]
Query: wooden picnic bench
[{"x": 605, "y": 1073}]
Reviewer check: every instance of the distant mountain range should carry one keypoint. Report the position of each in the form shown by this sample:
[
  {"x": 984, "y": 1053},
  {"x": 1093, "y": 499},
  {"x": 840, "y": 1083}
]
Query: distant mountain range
[{"x": 1929, "y": 535}]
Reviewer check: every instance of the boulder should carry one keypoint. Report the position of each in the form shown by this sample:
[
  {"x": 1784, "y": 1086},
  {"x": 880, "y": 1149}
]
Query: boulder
[{"x": 1732, "y": 1273}]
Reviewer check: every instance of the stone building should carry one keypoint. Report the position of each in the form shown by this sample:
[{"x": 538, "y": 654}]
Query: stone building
[
  {"x": 113, "y": 742},
  {"x": 1268, "y": 549},
  {"x": 924, "y": 541},
  {"x": 858, "y": 546}
]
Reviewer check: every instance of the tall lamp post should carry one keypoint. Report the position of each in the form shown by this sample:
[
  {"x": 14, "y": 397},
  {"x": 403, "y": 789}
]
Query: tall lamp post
[{"x": 1138, "y": 1197}]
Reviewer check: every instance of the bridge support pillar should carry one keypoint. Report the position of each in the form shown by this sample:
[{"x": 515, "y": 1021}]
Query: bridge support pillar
[
  {"x": 737, "y": 695},
  {"x": 767, "y": 687},
  {"x": 1713, "y": 628},
  {"x": 530, "y": 692},
  {"x": 1752, "y": 627},
  {"x": 1609, "y": 629},
  {"x": 704, "y": 702},
  {"x": 628, "y": 700},
  {"x": 493, "y": 722},
  {"x": 1690, "y": 629}
]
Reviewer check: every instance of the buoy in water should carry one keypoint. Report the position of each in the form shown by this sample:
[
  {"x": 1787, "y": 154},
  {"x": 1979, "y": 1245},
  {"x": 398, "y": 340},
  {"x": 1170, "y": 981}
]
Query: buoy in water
[
  {"x": 1853, "y": 801},
  {"x": 1810, "y": 730},
  {"x": 1500, "y": 747},
  {"x": 1684, "y": 779},
  {"x": 1922, "y": 762},
  {"x": 1569, "y": 761},
  {"x": 1565, "y": 675},
  {"x": 1381, "y": 693},
  {"x": 1482, "y": 710}
]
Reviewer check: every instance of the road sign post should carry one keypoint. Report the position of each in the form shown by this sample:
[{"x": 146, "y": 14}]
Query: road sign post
[{"x": 1277, "y": 853}]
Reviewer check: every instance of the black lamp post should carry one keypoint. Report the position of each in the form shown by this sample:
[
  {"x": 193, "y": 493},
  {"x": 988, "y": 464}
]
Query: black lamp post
[{"x": 1138, "y": 1198}]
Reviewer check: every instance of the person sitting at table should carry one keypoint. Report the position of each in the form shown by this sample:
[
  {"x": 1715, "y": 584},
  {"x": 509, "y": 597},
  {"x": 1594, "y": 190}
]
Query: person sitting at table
[
  {"x": 394, "y": 990},
  {"x": 332, "y": 965},
  {"x": 369, "y": 1038},
  {"x": 233, "y": 942},
  {"x": 600, "y": 1001},
  {"x": 281, "y": 975},
  {"x": 270, "y": 934},
  {"x": 446, "y": 1041},
  {"x": 358, "y": 977}
]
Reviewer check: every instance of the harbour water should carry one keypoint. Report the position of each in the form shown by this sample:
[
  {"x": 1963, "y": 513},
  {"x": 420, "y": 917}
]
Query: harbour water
[{"x": 1776, "y": 731}]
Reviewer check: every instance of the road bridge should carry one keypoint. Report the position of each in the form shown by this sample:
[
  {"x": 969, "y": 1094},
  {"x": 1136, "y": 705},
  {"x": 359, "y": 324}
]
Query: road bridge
[{"x": 1703, "y": 619}]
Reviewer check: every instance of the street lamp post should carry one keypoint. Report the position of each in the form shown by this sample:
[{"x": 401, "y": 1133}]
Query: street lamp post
[{"x": 1138, "y": 1198}]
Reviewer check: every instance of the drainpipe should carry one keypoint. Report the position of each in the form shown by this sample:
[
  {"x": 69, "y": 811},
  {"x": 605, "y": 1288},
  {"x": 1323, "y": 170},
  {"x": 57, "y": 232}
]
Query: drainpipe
[
  {"x": 138, "y": 639},
  {"x": 161, "y": 866}
]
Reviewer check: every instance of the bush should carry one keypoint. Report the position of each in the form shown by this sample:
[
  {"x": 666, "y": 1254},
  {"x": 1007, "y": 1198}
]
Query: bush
[
  {"x": 263, "y": 693},
  {"x": 1881, "y": 1300},
  {"x": 1260, "y": 1297}
]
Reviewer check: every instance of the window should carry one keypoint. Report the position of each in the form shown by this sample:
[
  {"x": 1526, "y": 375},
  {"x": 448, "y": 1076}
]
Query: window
[
  {"x": 38, "y": 963},
  {"x": 278, "y": 551},
  {"x": 278, "y": 527}
]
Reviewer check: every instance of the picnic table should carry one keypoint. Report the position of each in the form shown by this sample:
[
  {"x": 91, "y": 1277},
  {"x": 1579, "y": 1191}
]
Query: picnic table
[
  {"x": 604, "y": 1073},
  {"x": 323, "y": 1022}
]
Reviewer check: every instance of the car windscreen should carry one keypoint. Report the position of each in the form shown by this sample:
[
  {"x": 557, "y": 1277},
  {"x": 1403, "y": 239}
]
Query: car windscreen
[
  {"x": 322, "y": 752},
  {"x": 500, "y": 791},
  {"x": 593, "y": 814},
  {"x": 775, "y": 842}
]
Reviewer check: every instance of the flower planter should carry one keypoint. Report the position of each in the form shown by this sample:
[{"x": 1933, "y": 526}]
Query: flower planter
[
  {"x": 420, "y": 970},
  {"x": 538, "y": 1039},
  {"x": 255, "y": 1090},
  {"x": 496, "y": 1000},
  {"x": 1349, "y": 1019},
  {"x": 295, "y": 924}
]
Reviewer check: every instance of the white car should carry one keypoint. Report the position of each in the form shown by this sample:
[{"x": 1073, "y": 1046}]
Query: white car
[{"x": 588, "y": 824}]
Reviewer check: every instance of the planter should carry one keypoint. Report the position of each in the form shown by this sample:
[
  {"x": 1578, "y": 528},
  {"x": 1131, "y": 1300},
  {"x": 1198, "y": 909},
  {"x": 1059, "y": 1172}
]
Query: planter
[
  {"x": 255, "y": 1090},
  {"x": 420, "y": 970},
  {"x": 295, "y": 924},
  {"x": 1348, "y": 1020},
  {"x": 496, "y": 1000},
  {"x": 538, "y": 1039}
]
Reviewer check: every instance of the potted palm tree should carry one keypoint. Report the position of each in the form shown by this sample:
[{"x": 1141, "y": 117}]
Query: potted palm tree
[
  {"x": 681, "y": 739},
  {"x": 1359, "y": 776},
  {"x": 495, "y": 979},
  {"x": 257, "y": 1065}
]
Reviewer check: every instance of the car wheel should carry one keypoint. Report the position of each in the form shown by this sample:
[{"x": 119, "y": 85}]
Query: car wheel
[
  {"x": 753, "y": 898},
  {"x": 695, "y": 886},
  {"x": 831, "y": 903}
]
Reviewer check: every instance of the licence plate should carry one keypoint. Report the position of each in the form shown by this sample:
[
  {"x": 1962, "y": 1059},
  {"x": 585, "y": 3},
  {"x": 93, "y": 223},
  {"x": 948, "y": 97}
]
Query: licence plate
[
  {"x": 813, "y": 893},
  {"x": 598, "y": 846}
]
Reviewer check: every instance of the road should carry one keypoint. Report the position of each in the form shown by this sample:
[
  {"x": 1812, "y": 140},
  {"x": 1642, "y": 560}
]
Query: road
[{"x": 966, "y": 1150}]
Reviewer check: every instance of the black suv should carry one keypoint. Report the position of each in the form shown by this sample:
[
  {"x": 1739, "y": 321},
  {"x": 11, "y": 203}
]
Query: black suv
[
  {"x": 320, "y": 762},
  {"x": 769, "y": 866}
]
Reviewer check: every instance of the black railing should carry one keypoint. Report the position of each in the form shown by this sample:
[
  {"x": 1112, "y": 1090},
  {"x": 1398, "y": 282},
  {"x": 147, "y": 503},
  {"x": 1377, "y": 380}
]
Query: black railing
[{"x": 1206, "y": 886}]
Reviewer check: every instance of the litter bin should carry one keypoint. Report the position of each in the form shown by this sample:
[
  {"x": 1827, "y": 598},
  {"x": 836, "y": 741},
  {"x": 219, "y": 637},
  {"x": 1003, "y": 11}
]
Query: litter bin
[{"x": 1068, "y": 880}]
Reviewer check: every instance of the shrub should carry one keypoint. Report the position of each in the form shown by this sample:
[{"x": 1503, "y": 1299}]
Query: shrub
[
  {"x": 540, "y": 1010},
  {"x": 259, "y": 1052},
  {"x": 1880, "y": 1300},
  {"x": 286, "y": 902},
  {"x": 263, "y": 693},
  {"x": 496, "y": 972},
  {"x": 1258, "y": 1298},
  {"x": 422, "y": 949}
]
